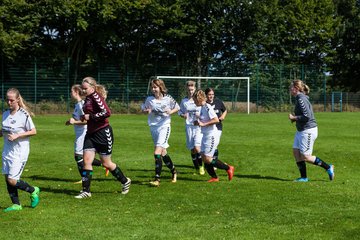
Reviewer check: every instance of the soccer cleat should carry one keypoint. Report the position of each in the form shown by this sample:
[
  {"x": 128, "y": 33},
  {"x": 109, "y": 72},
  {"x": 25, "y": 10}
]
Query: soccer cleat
[
  {"x": 14, "y": 207},
  {"x": 155, "y": 183},
  {"x": 202, "y": 170},
  {"x": 301, "y": 180},
  {"x": 213, "y": 180},
  {"x": 126, "y": 186},
  {"x": 230, "y": 172},
  {"x": 331, "y": 172},
  {"x": 174, "y": 176},
  {"x": 34, "y": 197},
  {"x": 83, "y": 194},
  {"x": 78, "y": 182},
  {"x": 106, "y": 172}
]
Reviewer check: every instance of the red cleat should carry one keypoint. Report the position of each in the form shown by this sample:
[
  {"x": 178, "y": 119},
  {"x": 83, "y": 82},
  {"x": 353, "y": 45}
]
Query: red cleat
[
  {"x": 213, "y": 180},
  {"x": 230, "y": 172}
]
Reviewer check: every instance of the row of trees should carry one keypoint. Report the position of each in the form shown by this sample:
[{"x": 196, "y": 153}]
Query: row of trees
[{"x": 193, "y": 34}]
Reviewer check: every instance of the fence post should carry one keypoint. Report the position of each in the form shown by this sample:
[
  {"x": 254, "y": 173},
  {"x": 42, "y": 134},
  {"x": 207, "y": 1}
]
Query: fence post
[
  {"x": 68, "y": 84},
  {"x": 257, "y": 87},
  {"x": 324, "y": 89},
  {"x": 127, "y": 90},
  {"x": 35, "y": 82},
  {"x": 2, "y": 84}
]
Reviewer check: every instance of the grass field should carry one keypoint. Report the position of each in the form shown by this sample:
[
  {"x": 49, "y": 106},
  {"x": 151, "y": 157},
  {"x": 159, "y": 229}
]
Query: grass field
[{"x": 262, "y": 201}]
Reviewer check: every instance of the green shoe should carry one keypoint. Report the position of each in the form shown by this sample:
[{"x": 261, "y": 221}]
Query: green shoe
[
  {"x": 34, "y": 197},
  {"x": 14, "y": 207}
]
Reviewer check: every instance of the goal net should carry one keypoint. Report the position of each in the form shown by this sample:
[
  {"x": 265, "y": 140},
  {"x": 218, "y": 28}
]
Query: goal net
[{"x": 233, "y": 91}]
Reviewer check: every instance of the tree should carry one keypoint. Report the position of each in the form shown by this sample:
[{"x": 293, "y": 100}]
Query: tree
[
  {"x": 346, "y": 67},
  {"x": 17, "y": 26}
]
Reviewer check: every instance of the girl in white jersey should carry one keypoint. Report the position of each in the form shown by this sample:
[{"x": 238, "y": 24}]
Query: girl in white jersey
[
  {"x": 190, "y": 112},
  {"x": 207, "y": 121},
  {"x": 17, "y": 127},
  {"x": 159, "y": 107},
  {"x": 79, "y": 128}
]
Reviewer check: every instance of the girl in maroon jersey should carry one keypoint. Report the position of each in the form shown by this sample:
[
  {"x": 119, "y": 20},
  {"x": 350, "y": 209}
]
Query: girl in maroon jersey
[{"x": 99, "y": 136}]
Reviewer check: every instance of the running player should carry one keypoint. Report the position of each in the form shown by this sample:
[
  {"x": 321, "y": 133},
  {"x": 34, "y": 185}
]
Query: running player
[
  {"x": 220, "y": 110},
  {"x": 79, "y": 128},
  {"x": 190, "y": 112},
  {"x": 207, "y": 121},
  {"x": 17, "y": 127},
  {"x": 99, "y": 136},
  {"x": 306, "y": 133},
  {"x": 159, "y": 107}
]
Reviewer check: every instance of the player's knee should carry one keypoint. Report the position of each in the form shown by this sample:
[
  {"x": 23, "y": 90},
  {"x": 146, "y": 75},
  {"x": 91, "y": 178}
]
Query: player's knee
[{"x": 11, "y": 182}]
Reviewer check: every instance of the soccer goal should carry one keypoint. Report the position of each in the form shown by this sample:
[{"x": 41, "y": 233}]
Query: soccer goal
[{"x": 228, "y": 89}]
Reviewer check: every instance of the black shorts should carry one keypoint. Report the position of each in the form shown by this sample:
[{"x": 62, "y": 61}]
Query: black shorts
[{"x": 101, "y": 141}]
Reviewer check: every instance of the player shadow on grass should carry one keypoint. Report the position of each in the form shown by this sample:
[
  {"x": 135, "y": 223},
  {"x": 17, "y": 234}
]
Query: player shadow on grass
[{"x": 257, "y": 176}]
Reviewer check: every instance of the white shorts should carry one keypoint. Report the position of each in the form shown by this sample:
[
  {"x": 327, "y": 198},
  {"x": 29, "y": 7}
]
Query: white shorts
[
  {"x": 160, "y": 135},
  {"x": 218, "y": 135},
  {"x": 304, "y": 140},
  {"x": 193, "y": 136},
  {"x": 13, "y": 168},
  {"x": 79, "y": 144},
  {"x": 209, "y": 144}
]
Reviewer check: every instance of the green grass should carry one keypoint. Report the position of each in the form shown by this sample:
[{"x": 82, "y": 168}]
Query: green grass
[{"x": 262, "y": 201}]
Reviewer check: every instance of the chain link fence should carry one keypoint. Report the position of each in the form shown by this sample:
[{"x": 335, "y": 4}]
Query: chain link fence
[{"x": 45, "y": 84}]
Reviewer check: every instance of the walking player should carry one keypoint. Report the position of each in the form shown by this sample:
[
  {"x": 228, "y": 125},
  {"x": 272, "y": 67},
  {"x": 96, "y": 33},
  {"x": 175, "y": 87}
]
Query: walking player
[
  {"x": 79, "y": 128},
  {"x": 306, "y": 133},
  {"x": 207, "y": 121},
  {"x": 190, "y": 112},
  {"x": 99, "y": 136},
  {"x": 17, "y": 127},
  {"x": 159, "y": 107}
]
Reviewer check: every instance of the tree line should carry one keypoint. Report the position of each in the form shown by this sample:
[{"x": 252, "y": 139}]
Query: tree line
[{"x": 193, "y": 34}]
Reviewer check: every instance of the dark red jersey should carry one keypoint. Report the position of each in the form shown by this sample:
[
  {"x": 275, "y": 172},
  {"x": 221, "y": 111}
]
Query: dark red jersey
[{"x": 98, "y": 110}]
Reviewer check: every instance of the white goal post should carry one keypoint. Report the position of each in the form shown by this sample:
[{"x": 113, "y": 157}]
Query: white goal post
[{"x": 219, "y": 78}]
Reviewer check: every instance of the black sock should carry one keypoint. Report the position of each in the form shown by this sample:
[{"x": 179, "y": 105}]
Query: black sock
[
  {"x": 86, "y": 179},
  {"x": 195, "y": 160},
  {"x": 118, "y": 174},
  {"x": 96, "y": 162},
  {"x": 80, "y": 163},
  {"x": 13, "y": 193},
  {"x": 199, "y": 159},
  {"x": 321, "y": 163},
  {"x": 158, "y": 166},
  {"x": 210, "y": 170},
  {"x": 302, "y": 168},
  {"x": 22, "y": 185},
  {"x": 219, "y": 164},
  {"x": 216, "y": 154},
  {"x": 169, "y": 163}
]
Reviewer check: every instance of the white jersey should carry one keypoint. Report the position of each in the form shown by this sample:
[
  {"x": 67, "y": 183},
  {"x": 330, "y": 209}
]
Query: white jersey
[
  {"x": 159, "y": 108},
  {"x": 80, "y": 130},
  {"x": 20, "y": 122},
  {"x": 78, "y": 111},
  {"x": 192, "y": 112},
  {"x": 206, "y": 114}
]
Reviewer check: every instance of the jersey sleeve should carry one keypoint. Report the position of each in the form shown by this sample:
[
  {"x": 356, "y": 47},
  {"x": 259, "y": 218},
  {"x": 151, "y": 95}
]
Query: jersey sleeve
[
  {"x": 304, "y": 109},
  {"x": 104, "y": 109},
  {"x": 173, "y": 104},
  {"x": 222, "y": 106},
  {"x": 29, "y": 124},
  {"x": 211, "y": 112},
  {"x": 182, "y": 110},
  {"x": 146, "y": 104}
]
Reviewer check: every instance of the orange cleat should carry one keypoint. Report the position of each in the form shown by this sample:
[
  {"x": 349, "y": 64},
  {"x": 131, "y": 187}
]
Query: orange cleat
[
  {"x": 230, "y": 172},
  {"x": 213, "y": 180},
  {"x": 106, "y": 172}
]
